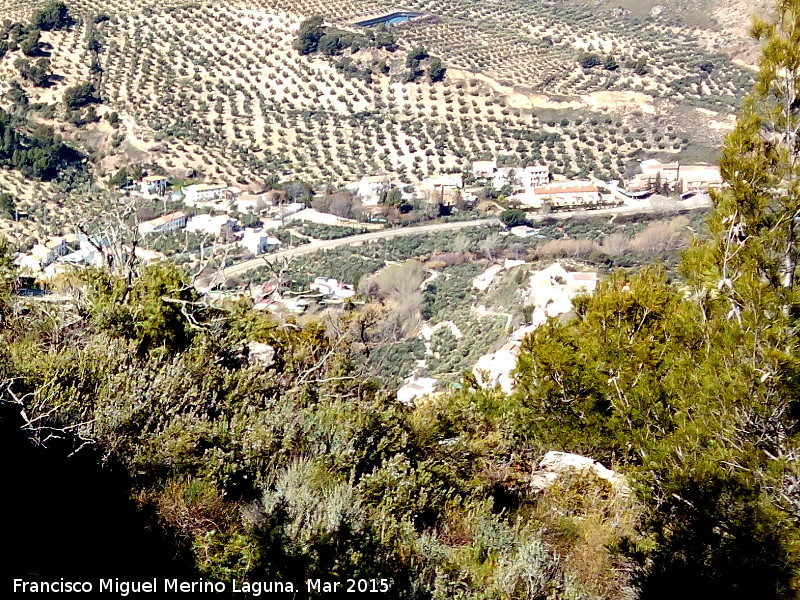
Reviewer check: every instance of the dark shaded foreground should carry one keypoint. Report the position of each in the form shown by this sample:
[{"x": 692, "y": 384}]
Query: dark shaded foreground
[{"x": 70, "y": 516}]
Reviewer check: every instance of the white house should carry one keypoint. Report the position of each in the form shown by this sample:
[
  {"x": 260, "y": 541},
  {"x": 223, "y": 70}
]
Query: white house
[
  {"x": 251, "y": 203},
  {"x": 523, "y": 231},
  {"x": 564, "y": 194},
  {"x": 416, "y": 387},
  {"x": 521, "y": 178},
  {"x": 503, "y": 176},
  {"x": 700, "y": 177},
  {"x": 28, "y": 263},
  {"x": 332, "y": 288},
  {"x": 60, "y": 245},
  {"x": 370, "y": 189},
  {"x": 534, "y": 176},
  {"x": 215, "y": 225},
  {"x": 203, "y": 192},
  {"x": 442, "y": 181},
  {"x": 442, "y": 189},
  {"x": 47, "y": 253},
  {"x": 153, "y": 185},
  {"x": 258, "y": 242},
  {"x": 171, "y": 222},
  {"x": 484, "y": 168}
]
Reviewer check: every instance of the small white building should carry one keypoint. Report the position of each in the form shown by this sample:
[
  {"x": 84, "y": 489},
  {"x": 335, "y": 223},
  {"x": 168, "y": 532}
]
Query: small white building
[
  {"x": 563, "y": 194},
  {"x": 484, "y": 168},
  {"x": 523, "y": 231},
  {"x": 171, "y": 222},
  {"x": 258, "y": 242},
  {"x": 699, "y": 177},
  {"x": 203, "y": 192},
  {"x": 60, "y": 245},
  {"x": 520, "y": 178},
  {"x": 533, "y": 176},
  {"x": 52, "y": 249},
  {"x": 312, "y": 215},
  {"x": 154, "y": 185},
  {"x": 215, "y": 225},
  {"x": 416, "y": 387},
  {"x": 27, "y": 263},
  {"x": 370, "y": 190},
  {"x": 442, "y": 181},
  {"x": 332, "y": 288},
  {"x": 251, "y": 203},
  {"x": 442, "y": 189}
]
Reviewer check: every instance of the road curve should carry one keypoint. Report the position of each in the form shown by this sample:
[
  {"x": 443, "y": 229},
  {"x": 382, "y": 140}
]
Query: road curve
[{"x": 203, "y": 283}]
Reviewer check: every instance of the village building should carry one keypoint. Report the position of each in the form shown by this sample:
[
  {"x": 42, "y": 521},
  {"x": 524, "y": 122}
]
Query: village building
[
  {"x": 370, "y": 190},
  {"x": 533, "y": 176},
  {"x": 258, "y": 242},
  {"x": 171, "y": 222},
  {"x": 44, "y": 254},
  {"x": 561, "y": 195},
  {"x": 194, "y": 195},
  {"x": 484, "y": 168},
  {"x": 251, "y": 203},
  {"x": 331, "y": 288},
  {"x": 521, "y": 178},
  {"x": 213, "y": 225},
  {"x": 154, "y": 185},
  {"x": 442, "y": 189},
  {"x": 699, "y": 177},
  {"x": 61, "y": 245},
  {"x": 674, "y": 177},
  {"x": 523, "y": 231},
  {"x": 414, "y": 388}
]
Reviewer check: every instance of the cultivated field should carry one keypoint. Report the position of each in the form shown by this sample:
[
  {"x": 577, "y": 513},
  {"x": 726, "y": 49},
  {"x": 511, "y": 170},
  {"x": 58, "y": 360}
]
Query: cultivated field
[{"x": 217, "y": 89}]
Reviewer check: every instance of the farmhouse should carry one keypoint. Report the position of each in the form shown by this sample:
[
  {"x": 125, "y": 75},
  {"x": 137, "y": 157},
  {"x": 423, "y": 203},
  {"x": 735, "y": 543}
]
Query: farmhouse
[
  {"x": 565, "y": 194},
  {"x": 416, "y": 387},
  {"x": 216, "y": 225},
  {"x": 699, "y": 178},
  {"x": 534, "y": 176},
  {"x": 370, "y": 189},
  {"x": 443, "y": 189},
  {"x": 523, "y": 231},
  {"x": 60, "y": 245},
  {"x": 484, "y": 168},
  {"x": 258, "y": 242},
  {"x": 203, "y": 192},
  {"x": 521, "y": 178},
  {"x": 251, "y": 203},
  {"x": 154, "y": 185},
  {"x": 657, "y": 176},
  {"x": 332, "y": 288},
  {"x": 171, "y": 222}
]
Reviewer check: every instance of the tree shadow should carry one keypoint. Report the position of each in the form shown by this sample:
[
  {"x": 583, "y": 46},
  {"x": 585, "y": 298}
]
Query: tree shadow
[{"x": 68, "y": 515}]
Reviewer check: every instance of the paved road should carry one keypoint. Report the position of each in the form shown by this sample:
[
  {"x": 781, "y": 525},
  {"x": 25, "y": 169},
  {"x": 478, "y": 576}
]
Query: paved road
[{"x": 203, "y": 283}]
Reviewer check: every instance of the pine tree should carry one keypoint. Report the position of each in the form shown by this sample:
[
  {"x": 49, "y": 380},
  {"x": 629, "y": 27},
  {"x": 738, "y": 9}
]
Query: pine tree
[{"x": 755, "y": 220}]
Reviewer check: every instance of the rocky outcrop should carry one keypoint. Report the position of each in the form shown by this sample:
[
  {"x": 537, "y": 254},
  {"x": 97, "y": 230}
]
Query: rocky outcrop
[{"x": 557, "y": 464}]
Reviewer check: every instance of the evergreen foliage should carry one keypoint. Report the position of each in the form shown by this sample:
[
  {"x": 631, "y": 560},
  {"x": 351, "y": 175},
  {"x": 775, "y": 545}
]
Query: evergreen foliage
[
  {"x": 80, "y": 95},
  {"x": 53, "y": 15},
  {"x": 40, "y": 155}
]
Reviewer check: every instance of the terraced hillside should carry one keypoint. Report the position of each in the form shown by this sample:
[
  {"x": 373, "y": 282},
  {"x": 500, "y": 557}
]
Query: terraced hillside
[{"x": 217, "y": 88}]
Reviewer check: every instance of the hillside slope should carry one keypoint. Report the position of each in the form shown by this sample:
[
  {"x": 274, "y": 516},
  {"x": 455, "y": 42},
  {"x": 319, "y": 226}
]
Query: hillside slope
[{"x": 232, "y": 100}]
